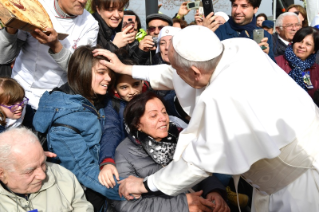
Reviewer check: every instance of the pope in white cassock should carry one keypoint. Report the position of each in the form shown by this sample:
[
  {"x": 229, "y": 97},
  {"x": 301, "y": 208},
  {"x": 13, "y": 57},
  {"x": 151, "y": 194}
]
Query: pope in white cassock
[{"x": 248, "y": 119}]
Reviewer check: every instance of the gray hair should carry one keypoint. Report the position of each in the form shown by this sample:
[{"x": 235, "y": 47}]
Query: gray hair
[
  {"x": 10, "y": 140},
  {"x": 280, "y": 18},
  {"x": 205, "y": 66}
]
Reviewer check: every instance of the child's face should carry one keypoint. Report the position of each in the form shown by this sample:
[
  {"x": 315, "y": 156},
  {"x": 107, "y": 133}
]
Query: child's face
[
  {"x": 127, "y": 87},
  {"x": 14, "y": 113}
]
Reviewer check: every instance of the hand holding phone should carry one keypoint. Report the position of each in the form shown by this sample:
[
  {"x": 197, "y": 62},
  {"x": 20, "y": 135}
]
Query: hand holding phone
[
  {"x": 208, "y": 7},
  {"x": 128, "y": 20},
  {"x": 258, "y": 34}
]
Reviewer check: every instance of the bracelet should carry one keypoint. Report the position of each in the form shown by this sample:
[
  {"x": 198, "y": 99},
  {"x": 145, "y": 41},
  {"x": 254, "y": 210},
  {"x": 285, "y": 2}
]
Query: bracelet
[
  {"x": 178, "y": 16},
  {"x": 146, "y": 186}
]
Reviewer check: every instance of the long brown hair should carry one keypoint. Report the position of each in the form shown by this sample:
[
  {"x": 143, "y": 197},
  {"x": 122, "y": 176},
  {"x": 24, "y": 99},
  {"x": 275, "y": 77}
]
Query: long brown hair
[
  {"x": 303, "y": 13},
  {"x": 80, "y": 72},
  {"x": 11, "y": 92}
]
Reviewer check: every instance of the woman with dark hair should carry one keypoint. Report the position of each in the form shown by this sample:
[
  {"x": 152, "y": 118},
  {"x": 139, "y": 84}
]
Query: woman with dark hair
[
  {"x": 260, "y": 18},
  {"x": 301, "y": 12},
  {"x": 299, "y": 59},
  {"x": 109, "y": 14},
  {"x": 150, "y": 145},
  {"x": 73, "y": 116}
]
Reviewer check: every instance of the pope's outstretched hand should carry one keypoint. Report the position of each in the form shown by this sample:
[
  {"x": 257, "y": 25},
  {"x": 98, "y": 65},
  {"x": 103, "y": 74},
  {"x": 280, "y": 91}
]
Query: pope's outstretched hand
[{"x": 114, "y": 63}]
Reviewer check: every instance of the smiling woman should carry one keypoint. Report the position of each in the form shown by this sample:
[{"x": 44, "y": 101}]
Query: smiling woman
[
  {"x": 149, "y": 146},
  {"x": 299, "y": 59},
  {"x": 73, "y": 116}
]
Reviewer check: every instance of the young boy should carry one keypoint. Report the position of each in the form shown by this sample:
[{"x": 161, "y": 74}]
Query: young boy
[{"x": 123, "y": 90}]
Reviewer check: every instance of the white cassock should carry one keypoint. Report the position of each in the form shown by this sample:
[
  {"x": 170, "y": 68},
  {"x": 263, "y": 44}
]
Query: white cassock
[{"x": 250, "y": 112}]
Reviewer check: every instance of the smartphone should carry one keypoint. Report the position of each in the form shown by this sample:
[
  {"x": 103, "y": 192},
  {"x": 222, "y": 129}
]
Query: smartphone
[
  {"x": 208, "y": 7},
  {"x": 258, "y": 34},
  {"x": 193, "y": 5},
  {"x": 128, "y": 20}
]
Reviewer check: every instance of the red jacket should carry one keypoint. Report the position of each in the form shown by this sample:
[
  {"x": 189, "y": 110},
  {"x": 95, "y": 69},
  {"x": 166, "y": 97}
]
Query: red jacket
[{"x": 314, "y": 72}]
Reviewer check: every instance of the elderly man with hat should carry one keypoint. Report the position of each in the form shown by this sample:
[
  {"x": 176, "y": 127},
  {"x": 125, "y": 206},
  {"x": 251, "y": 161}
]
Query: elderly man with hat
[
  {"x": 154, "y": 22},
  {"x": 29, "y": 183},
  {"x": 248, "y": 119},
  {"x": 268, "y": 26}
]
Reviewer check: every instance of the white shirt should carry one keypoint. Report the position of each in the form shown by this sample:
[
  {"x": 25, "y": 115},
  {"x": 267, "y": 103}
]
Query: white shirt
[{"x": 36, "y": 70}]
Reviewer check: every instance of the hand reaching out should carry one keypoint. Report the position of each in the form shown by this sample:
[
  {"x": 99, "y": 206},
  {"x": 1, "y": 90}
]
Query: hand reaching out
[
  {"x": 220, "y": 204},
  {"x": 106, "y": 176}
]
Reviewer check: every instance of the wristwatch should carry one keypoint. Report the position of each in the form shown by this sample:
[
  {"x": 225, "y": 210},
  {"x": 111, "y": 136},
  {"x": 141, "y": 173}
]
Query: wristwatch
[{"x": 145, "y": 184}]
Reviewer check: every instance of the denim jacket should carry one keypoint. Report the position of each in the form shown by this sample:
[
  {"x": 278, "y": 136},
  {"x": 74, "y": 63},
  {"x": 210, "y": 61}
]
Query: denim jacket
[{"x": 74, "y": 130}]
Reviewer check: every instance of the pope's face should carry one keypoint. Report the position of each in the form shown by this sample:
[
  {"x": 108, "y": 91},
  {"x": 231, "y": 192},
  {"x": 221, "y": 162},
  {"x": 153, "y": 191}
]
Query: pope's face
[
  {"x": 182, "y": 73},
  {"x": 189, "y": 75}
]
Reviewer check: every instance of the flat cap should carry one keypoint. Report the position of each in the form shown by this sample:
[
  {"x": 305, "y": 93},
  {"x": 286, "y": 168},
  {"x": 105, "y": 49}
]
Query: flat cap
[
  {"x": 159, "y": 16},
  {"x": 268, "y": 24}
]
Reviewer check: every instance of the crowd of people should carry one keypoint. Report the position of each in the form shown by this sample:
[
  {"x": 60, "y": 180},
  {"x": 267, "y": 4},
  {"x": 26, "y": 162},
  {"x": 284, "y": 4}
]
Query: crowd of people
[{"x": 178, "y": 117}]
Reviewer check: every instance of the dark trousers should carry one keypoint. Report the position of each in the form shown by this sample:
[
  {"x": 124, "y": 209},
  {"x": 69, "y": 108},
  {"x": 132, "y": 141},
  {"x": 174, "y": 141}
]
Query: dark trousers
[{"x": 96, "y": 199}]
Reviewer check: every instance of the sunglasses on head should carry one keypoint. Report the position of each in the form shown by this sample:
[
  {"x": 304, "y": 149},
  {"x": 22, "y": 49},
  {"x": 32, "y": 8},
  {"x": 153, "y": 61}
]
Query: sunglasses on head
[{"x": 152, "y": 28}]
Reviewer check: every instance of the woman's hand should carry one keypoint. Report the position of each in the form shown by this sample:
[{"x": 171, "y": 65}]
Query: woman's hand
[
  {"x": 49, "y": 154},
  {"x": 147, "y": 44},
  {"x": 264, "y": 43},
  {"x": 131, "y": 187},
  {"x": 220, "y": 204},
  {"x": 198, "y": 204},
  {"x": 114, "y": 63},
  {"x": 123, "y": 38},
  {"x": 106, "y": 176}
]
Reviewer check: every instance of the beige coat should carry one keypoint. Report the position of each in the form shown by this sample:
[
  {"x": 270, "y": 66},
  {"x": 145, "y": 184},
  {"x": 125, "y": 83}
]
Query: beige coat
[{"x": 61, "y": 191}]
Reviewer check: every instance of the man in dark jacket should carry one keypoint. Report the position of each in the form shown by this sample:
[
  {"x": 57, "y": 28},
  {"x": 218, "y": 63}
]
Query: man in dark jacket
[
  {"x": 243, "y": 22},
  {"x": 287, "y": 25}
]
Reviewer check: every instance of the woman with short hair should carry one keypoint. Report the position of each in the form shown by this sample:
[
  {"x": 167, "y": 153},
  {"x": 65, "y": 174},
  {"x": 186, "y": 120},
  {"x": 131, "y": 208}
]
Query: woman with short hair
[
  {"x": 109, "y": 14},
  {"x": 260, "y": 18},
  {"x": 150, "y": 146},
  {"x": 299, "y": 59}
]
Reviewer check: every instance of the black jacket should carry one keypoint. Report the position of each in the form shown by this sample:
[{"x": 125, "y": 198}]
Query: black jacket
[
  {"x": 106, "y": 35},
  {"x": 131, "y": 159},
  {"x": 279, "y": 46}
]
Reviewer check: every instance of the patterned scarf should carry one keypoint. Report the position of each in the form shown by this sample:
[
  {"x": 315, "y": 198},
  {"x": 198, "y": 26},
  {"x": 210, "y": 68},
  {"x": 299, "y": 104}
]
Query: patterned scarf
[
  {"x": 298, "y": 66},
  {"x": 162, "y": 152}
]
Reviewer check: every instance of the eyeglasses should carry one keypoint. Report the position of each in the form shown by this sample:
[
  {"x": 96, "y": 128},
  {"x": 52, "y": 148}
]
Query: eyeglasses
[
  {"x": 15, "y": 107},
  {"x": 152, "y": 28},
  {"x": 289, "y": 26}
]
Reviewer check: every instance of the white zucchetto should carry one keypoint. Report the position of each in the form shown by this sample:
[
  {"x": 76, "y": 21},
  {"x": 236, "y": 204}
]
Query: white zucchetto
[
  {"x": 168, "y": 30},
  {"x": 197, "y": 43}
]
